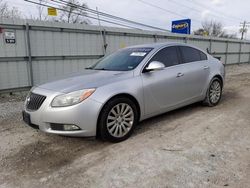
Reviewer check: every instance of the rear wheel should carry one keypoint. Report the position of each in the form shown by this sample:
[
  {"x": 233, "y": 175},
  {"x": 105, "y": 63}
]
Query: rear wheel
[
  {"x": 117, "y": 119},
  {"x": 214, "y": 93}
]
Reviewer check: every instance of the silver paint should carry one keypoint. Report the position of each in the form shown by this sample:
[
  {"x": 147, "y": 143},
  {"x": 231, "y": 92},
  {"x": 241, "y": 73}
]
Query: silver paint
[{"x": 156, "y": 92}]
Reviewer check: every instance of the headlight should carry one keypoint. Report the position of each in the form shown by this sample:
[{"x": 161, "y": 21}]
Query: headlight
[
  {"x": 72, "y": 98},
  {"x": 28, "y": 95}
]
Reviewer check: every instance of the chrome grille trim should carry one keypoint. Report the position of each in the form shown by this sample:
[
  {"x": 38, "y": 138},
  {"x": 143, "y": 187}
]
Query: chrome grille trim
[{"x": 34, "y": 101}]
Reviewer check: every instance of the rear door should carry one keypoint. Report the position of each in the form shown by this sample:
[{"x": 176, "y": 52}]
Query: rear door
[{"x": 195, "y": 72}]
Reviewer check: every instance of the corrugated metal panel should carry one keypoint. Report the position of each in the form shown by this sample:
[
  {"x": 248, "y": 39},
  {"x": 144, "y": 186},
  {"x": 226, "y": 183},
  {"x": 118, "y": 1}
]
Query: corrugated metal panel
[
  {"x": 13, "y": 74},
  {"x": 223, "y": 58},
  {"x": 13, "y": 50},
  {"x": 233, "y": 47},
  {"x": 117, "y": 42},
  {"x": 51, "y": 43},
  {"x": 65, "y": 47},
  {"x": 231, "y": 59},
  {"x": 218, "y": 47},
  {"x": 170, "y": 39},
  {"x": 50, "y": 69},
  {"x": 203, "y": 44},
  {"x": 244, "y": 58},
  {"x": 245, "y": 47}
]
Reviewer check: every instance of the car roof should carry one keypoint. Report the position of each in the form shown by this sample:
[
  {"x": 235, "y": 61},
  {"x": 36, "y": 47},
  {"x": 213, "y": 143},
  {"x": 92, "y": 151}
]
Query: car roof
[
  {"x": 164, "y": 44},
  {"x": 159, "y": 45}
]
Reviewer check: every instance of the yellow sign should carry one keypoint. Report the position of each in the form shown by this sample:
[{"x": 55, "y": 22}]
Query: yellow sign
[
  {"x": 52, "y": 11},
  {"x": 122, "y": 45},
  {"x": 205, "y": 33}
]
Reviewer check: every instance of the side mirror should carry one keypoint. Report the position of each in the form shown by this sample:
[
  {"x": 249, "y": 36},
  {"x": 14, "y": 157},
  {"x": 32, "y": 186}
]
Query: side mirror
[{"x": 154, "y": 65}]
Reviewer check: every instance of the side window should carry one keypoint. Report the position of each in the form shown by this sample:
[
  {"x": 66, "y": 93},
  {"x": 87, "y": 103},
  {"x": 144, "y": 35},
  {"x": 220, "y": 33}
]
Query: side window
[
  {"x": 168, "y": 56},
  {"x": 203, "y": 56},
  {"x": 189, "y": 54}
]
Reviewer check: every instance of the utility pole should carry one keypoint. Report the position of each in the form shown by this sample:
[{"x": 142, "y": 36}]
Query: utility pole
[
  {"x": 98, "y": 17},
  {"x": 101, "y": 32},
  {"x": 243, "y": 30}
]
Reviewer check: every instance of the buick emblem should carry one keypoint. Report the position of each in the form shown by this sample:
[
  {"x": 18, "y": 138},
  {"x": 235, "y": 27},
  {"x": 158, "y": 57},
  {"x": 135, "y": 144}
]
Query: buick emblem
[{"x": 28, "y": 100}]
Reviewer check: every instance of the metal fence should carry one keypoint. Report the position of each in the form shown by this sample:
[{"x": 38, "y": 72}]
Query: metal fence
[{"x": 32, "y": 52}]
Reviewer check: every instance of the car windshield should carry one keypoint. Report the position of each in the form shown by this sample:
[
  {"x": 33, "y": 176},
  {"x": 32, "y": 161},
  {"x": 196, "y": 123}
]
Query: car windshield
[{"x": 122, "y": 60}]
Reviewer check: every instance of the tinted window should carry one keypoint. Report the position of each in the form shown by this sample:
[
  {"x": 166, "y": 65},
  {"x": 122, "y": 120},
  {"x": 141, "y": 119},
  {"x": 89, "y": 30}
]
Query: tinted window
[
  {"x": 203, "y": 56},
  {"x": 168, "y": 56},
  {"x": 189, "y": 54},
  {"x": 122, "y": 60}
]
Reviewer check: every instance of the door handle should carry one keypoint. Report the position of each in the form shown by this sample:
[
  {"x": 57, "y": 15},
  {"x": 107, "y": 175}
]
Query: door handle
[
  {"x": 180, "y": 74},
  {"x": 205, "y": 67}
]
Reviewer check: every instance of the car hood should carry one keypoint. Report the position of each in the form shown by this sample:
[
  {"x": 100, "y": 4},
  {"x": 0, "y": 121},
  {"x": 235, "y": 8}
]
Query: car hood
[{"x": 86, "y": 79}]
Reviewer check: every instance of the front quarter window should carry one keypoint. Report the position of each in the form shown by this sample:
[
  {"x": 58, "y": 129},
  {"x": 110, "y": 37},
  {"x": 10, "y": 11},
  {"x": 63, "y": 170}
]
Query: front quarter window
[{"x": 122, "y": 60}]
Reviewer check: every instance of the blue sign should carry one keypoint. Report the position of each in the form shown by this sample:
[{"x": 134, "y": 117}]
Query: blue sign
[{"x": 181, "y": 26}]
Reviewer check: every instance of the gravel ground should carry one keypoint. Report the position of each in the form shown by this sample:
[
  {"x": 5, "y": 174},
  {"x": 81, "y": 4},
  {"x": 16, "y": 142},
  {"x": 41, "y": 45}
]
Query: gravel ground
[{"x": 194, "y": 146}]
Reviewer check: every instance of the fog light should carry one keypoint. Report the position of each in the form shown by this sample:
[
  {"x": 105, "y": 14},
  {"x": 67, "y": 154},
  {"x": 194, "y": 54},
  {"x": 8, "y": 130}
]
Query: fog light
[
  {"x": 70, "y": 127},
  {"x": 63, "y": 127}
]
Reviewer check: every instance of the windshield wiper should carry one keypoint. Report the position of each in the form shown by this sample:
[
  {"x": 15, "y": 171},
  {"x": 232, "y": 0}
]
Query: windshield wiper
[
  {"x": 100, "y": 69},
  {"x": 89, "y": 68}
]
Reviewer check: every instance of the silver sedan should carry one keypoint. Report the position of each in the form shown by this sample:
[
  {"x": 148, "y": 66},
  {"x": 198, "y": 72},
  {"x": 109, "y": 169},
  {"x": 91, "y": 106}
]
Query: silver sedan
[{"x": 108, "y": 99}]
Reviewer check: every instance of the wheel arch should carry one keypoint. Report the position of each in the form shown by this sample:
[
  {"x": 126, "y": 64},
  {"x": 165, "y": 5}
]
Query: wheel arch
[
  {"x": 220, "y": 78},
  {"x": 125, "y": 95}
]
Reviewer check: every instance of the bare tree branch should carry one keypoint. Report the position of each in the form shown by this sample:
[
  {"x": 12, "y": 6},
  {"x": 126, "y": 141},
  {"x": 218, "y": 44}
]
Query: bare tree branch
[
  {"x": 70, "y": 7},
  {"x": 213, "y": 28},
  {"x": 40, "y": 8},
  {"x": 7, "y": 12}
]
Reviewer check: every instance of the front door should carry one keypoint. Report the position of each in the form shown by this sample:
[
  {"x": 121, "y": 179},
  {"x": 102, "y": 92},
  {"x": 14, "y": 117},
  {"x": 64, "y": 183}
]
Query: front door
[{"x": 163, "y": 88}]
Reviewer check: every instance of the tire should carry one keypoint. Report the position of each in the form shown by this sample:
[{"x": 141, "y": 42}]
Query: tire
[
  {"x": 117, "y": 120},
  {"x": 214, "y": 92}
]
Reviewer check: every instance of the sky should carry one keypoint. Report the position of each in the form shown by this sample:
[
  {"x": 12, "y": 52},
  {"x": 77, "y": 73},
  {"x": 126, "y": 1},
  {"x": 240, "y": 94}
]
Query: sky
[{"x": 161, "y": 13}]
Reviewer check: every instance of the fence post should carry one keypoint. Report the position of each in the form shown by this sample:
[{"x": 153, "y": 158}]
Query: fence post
[
  {"x": 185, "y": 39},
  {"x": 30, "y": 69},
  {"x": 239, "y": 53},
  {"x": 226, "y": 52},
  {"x": 210, "y": 45},
  {"x": 155, "y": 38},
  {"x": 249, "y": 55},
  {"x": 105, "y": 45}
]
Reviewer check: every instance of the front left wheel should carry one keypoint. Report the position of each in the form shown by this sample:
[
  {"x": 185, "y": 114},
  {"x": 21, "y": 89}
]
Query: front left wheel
[{"x": 117, "y": 119}]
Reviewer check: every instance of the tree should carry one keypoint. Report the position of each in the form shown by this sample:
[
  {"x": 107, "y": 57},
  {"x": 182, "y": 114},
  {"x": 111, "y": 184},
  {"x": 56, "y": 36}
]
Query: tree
[
  {"x": 40, "y": 10},
  {"x": 74, "y": 12},
  {"x": 213, "y": 28},
  {"x": 7, "y": 12}
]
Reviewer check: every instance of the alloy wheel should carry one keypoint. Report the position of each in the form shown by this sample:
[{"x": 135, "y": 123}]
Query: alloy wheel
[
  {"x": 215, "y": 91},
  {"x": 120, "y": 120}
]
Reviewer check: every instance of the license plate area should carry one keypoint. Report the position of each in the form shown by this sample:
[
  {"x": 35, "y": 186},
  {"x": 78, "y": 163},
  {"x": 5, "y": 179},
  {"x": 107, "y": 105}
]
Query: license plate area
[{"x": 26, "y": 119}]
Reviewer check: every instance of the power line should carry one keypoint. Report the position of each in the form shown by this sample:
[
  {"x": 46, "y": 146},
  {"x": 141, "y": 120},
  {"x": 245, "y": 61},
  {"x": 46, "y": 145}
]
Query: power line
[
  {"x": 198, "y": 10},
  {"x": 107, "y": 15},
  {"x": 180, "y": 4},
  {"x": 175, "y": 13},
  {"x": 213, "y": 10},
  {"x": 194, "y": 9},
  {"x": 198, "y": 22},
  {"x": 104, "y": 20},
  {"x": 165, "y": 10}
]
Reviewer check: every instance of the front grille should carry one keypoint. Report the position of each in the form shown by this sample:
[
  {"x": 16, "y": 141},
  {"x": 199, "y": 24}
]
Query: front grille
[{"x": 35, "y": 101}]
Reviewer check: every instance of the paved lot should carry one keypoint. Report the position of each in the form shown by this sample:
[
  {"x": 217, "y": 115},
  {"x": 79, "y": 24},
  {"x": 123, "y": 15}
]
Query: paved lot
[{"x": 194, "y": 146}]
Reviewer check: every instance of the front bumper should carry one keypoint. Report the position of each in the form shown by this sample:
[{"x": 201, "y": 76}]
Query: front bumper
[{"x": 84, "y": 115}]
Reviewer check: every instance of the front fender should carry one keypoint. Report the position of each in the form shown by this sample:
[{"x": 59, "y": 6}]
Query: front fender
[{"x": 132, "y": 87}]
